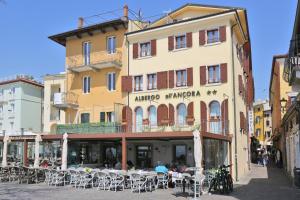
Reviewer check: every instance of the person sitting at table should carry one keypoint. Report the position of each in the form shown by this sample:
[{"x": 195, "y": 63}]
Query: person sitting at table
[
  {"x": 118, "y": 165},
  {"x": 160, "y": 168}
]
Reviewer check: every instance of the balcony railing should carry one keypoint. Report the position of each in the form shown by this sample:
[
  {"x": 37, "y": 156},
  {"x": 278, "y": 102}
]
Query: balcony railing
[
  {"x": 65, "y": 100},
  {"x": 2, "y": 99},
  {"x": 89, "y": 128},
  {"x": 98, "y": 60}
]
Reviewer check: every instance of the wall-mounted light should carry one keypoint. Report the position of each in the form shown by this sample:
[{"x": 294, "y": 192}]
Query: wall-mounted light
[
  {"x": 283, "y": 103},
  {"x": 190, "y": 148}
]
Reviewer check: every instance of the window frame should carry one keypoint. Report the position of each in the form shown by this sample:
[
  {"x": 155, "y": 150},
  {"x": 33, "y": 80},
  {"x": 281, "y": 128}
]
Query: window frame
[
  {"x": 112, "y": 82},
  {"x": 141, "y": 85},
  {"x": 154, "y": 76},
  {"x": 216, "y": 71},
  {"x": 89, "y": 85},
  {"x": 184, "y": 117},
  {"x": 147, "y": 53},
  {"x": 115, "y": 44},
  {"x": 86, "y": 59},
  {"x": 174, "y": 152},
  {"x": 212, "y": 41},
  {"x": 175, "y": 42},
  {"x": 82, "y": 114},
  {"x": 182, "y": 83}
]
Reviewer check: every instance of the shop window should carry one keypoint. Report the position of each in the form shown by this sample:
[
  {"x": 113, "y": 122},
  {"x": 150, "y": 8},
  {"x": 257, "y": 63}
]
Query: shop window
[
  {"x": 215, "y": 153},
  {"x": 180, "y": 152}
]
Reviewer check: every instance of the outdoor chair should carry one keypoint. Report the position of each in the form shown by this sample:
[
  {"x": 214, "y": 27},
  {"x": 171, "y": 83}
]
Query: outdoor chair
[
  {"x": 138, "y": 182},
  {"x": 74, "y": 177},
  {"x": 59, "y": 178},
  {"x": 48, "y": 176},
  {"x": 85, "y": 180},
  {"x": 150, "y": 182},
  {"x": 162, "y": 180},
  {"x": 4, "y": 174},
  {"x": 178, "y": 185},
  {"x": 116, "y": 181},
  {"x": 13, "y": 174},
  {"x": 102, "y": 180}
]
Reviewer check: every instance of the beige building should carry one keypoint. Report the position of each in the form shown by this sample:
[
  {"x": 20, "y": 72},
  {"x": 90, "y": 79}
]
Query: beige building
[{"x": 190, "y": 70}]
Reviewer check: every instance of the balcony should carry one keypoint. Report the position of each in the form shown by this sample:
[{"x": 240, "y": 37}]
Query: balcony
[
  {"x": 292, "y": 62},
  {"x": 65, "y": 100},
  {"x": 2, "y": 100},
  {"x": 99, "y": 60},
  {"x": 89, "y": 128}
]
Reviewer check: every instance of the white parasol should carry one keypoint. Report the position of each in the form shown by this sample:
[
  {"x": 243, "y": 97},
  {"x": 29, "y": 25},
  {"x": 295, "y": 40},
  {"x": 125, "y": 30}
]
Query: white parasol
[
  {"x": 4, "y": 156},
  {"x": 64, "y": 156},
  {"x": 38, "y": 139}
]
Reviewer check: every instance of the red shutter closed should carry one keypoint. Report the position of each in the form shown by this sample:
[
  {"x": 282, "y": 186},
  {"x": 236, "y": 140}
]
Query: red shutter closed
[
  {"x": 171, "y": 43},
  {"x": 224, "y": 73},
  {"x": 189, "y": 76},
  {"x": 171, "y": 79},
  {"x": 171, "y": 115},
  {"x": 189, "y": 39},
  {"x": 240, "y": 85},
  {"x": 162, "y": 115},
  {"x": 202, "y": 40},
  {"x": 126, "y": 118},
  {"x": 153, "y": 47},
  {"x": 135, "y": 50},
  {"x": 203, "y": 112},
  {"x": 242, "y": 118},
  {"x": 224, "y": 111},
  {"x": 190, "y": 114},
  {"x": 202, "y": 75},
  {"x": 162, "y": 80},
  {"x": 126, "y": 83},
  {"x": 222, "y": 30}
]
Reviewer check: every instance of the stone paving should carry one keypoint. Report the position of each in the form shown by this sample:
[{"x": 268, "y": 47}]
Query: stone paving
[{"x": 261, "y": 183}]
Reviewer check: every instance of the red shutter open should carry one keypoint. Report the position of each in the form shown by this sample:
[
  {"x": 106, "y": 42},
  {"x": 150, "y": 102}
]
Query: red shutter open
[
  {"x": 171, "y": 79},
  {"x": 203, "y": 111},
  {"x": 224, "y": 111},
  {"x": 135, "y": 50},
  {"x": 171, "y": 115},
  {"x": 171, "y": 43},
  {"x": 190, "y": 114},
  {"x": 162, "y": 80},
  {"x": 189, "y": 76},
  {"x": 162, "y": 115},
  {"x": 202, "y": 40},
  {"x": 189, "y": 39},
  {"x": 202, "y": 75},
  {"x": 224, "y": 73},
  {"x": 126, "y": 84},
  {"x": 222, "y": 30},
  {"x": 242, "y": 123},
  {"x": 153, "y": 47},
  {"x": 240, "y": 85},
  {"x": 127, "y": 119}
]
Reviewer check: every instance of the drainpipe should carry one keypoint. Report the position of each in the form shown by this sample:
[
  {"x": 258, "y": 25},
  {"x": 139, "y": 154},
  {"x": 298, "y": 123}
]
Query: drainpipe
[
  {"x": 234, "y": 106},
  {"x": 127, "y": 41}
]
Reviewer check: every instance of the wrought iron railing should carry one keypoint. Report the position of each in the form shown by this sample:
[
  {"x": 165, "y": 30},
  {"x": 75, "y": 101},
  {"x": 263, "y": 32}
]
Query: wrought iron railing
[{"x": 65, "y": 98}]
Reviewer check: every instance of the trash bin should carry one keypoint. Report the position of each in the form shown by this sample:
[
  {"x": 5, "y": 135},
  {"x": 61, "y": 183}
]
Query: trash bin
[{"x": 297, "y": 177}]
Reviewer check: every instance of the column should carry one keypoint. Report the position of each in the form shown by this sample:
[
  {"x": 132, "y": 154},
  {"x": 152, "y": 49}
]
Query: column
[
  {"x": 124, "y": 153},
  {"x": 25, "y": 150}
]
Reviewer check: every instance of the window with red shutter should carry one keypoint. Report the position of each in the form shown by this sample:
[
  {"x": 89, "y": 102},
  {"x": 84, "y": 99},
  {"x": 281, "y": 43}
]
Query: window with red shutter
[
  {"x": 189, "y": 40},
  {"x": 162, "y": 80},
  {"x": 224, "y": 73},
  {"x": 224, "y": 111},
  {"x": 202, "y": 40},
  {"x": 171, "y": 43},
  {"x": 203, "y": 111},
  {"x": 242, "y": 123},
  {"x": 240, "y": 85},
  {"x": 190, "y": 114},
  {"x": 135, "y": 50},
  {"x": 202, "y": 75},
  {"x": 126, "y": 84},
  {"x": 127, "y": 118},
  {"x": 153, "y": 47},
  {"x": 171, "y": 115},
  {"x": 171, "y": 79},
  {"x": 190, "y": 76},
  {"x": 162, "y": 115},
  {"x": 222, "y": 31}
]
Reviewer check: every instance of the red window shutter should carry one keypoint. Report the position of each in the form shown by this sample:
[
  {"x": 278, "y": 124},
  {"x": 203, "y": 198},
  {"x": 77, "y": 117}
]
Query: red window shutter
[
  {"x": 240, "y": 84},
  {"x": 224, "y": 111},
  {"x": 189, "y": 39},
  {"x": 171, "y": 79},
  {"x": 202, "y": 40},
  {"x": 203, "y": 112},
  {"x": 171, "y": 115},
  {"x": 222, "y": 31},
  {"x": 171, "y": 43},
  {"x": 224, "y": 73},
  {"x": 162, "y": 115},
  {"x": 135, "y": 50},
  {"x": 126, "y": 84},
  {"x": 126, "y": 118},
  {"x": 162, "y": 80},
  {"x": 190, "y": 114},
  {"x": 189, "y": 76},
  {"x": 202, "y": 75},
  {"x": 153, "y": 47},
  {"x": 242, "y": 120}
]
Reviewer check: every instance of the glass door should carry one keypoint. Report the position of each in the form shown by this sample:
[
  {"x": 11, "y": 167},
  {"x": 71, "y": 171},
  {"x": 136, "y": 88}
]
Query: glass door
[{"x": 144, "y": 156}]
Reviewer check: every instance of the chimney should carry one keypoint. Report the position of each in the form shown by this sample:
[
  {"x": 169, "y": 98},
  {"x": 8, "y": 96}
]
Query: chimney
[
  {"x": 80, "y": 22},
  {"x": 125, "y": 12}
]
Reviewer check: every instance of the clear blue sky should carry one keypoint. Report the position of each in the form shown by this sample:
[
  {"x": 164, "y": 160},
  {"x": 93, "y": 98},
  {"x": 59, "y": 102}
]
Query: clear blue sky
[{"x": 26, "y": 24}]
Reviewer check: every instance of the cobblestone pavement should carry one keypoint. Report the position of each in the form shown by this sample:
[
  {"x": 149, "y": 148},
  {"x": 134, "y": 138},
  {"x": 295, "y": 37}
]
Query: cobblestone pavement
[{"x": 261, "y": 183}]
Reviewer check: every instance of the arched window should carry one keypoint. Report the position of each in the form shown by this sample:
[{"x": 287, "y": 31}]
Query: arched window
[
  {"x": 152, "y": 116},
  {"x": 181, "y": 114},
  {"x": 214, "y": 109},
  {"x": 138, "y": 119}
]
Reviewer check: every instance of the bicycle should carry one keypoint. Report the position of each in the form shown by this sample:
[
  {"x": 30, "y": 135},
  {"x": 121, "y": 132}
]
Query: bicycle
[{"x": 222, "y": 181}]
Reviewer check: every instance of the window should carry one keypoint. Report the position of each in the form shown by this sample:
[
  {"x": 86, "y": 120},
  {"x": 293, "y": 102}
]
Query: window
[
  {"x": 1, "y": 109},
  {"x": 266, "y": 115},
  {"x": 139, "y": 119},
  {"x": 85, "y": 118},
  {"x": 180, "y": 153},
  {"x": 268, "y": 123},
  {"x": 110, "y": 116},
  {"x": 152, "y": 116},
  {"x": 11, "y": 126},
  {"x": 86, "y": 84},
  {"x": 12, "y": 107},
  {"x": 111, "y": 45},
  {"x": 102, "y": 116},
  {"x": 86, "y": 52},
  {"x": 214, "y": 109},
  {"x": 0, "y": 126},
  {"x": 257, "y": 119},
  {"x": 268, "y": 134},
  {"x": 215, "y": 125},
  {"x": 181, "y": 78},
  {"x": 213, "y": 74},
  {"x": 257, "y": 132},
  {"x": 138, "y": 83},
  {"x": 152, "y": 84},
  {"x": 180, "y": 41},
  {"x": 181, "y": 114},
  {"x": 1, "y": 92},
  {"x": 213, "y": 36},
  {"x": 145, "y": 49},
  {"x": 258, "y": 109},
  {"x": 111, "y": 81}
]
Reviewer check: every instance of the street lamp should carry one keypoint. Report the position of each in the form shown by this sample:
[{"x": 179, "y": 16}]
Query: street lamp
[{"x": 283, "y": 103}]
